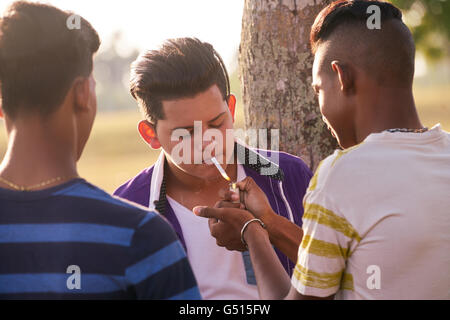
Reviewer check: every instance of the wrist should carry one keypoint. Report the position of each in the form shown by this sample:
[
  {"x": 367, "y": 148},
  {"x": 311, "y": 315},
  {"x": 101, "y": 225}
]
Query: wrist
[
  {"x": 250, "y": 228},
  {"x": 255, "y": 234},
  {"x": 270, "y": 219},
  {"x": 275, "y": 225}
]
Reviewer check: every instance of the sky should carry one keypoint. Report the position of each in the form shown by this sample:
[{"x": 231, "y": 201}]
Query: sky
[{"x": 146, "y": 23}]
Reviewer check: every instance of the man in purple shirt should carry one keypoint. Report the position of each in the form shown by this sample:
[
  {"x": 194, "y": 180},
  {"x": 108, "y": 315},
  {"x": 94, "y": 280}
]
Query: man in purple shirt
[{"x": 181, "y": 88}]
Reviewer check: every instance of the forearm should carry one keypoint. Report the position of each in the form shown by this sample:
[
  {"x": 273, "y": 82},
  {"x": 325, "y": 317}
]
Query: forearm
[
  {"x": 284, "y": 235},
  {"x": 273, "y": 281}
]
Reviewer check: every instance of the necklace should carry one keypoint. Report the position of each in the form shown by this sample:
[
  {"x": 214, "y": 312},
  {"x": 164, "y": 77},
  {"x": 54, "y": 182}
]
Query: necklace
[
  {"x": 407, "y": 130},
  {"x": 38, "y": 185}
]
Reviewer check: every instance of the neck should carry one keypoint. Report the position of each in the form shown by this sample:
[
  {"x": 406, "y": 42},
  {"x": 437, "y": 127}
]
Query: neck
[
  {"x": 391, "y": 108},
  {"x": 36, "y": 153}
]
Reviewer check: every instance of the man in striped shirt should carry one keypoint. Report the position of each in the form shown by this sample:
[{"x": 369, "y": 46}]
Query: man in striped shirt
[
  {"x": 376, "y": 222},
  {"x": 61, "y": 237}
]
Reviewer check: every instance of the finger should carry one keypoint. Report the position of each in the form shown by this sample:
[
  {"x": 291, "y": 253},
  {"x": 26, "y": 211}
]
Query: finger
[
  {"x": 246, "y": 184},
  {"x": 215, "y": 230},
  {"x": 227, "y": 204},
  {"x": 232, "y": 215},
  {"x": 241, "y": 196},
  {"x": 208, "y": 212},
  {"x": 219, "y": 243},
  {"x": 231, "y": 196},
  {"x": 236, "y": 248},
  {"x": 212, "y": 222}
]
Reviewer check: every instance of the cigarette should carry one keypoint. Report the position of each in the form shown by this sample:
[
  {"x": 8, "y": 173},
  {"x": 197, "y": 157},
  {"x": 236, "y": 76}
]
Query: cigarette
[
  {"x": 219, "y": 167},
  {"x": 233, "y": 186}
]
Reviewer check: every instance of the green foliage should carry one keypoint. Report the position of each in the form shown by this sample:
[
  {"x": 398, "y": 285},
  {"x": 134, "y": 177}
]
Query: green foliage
[{"x": 429, "y": 21}]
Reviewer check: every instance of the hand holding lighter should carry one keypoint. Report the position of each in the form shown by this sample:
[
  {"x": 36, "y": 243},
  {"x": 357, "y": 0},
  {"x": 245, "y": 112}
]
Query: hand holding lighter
[
  {"x": 235, "y": 189},
  {"x": 232, "y": 185}
]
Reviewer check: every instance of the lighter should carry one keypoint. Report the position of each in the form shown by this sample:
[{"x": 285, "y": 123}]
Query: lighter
[{"x": 233, "y": 186}]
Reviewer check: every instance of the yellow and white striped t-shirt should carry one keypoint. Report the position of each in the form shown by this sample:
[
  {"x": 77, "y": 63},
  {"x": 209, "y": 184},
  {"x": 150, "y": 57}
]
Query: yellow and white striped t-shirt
[{"x": 377, "y": 220}]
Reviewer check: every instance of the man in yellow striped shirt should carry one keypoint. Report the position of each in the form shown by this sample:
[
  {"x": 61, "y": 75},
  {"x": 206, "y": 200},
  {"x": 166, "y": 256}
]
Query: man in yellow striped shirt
[{"x": 376, "y": 215}]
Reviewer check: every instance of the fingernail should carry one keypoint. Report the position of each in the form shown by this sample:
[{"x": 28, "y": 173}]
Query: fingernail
[
  {"x": 197, "y": 210},
  {"x": 234, "y": 197}
]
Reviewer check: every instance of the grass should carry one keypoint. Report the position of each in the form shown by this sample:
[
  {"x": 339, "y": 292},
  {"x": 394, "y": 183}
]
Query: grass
[{"x": 115, "y": 151}]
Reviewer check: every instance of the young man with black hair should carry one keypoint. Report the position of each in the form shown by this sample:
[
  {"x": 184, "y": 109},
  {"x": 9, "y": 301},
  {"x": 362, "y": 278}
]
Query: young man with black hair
[
  {"x": 376, "y": 222},
  {"x": 61, "y": 237},
  {"x": 184, "y": 87}
]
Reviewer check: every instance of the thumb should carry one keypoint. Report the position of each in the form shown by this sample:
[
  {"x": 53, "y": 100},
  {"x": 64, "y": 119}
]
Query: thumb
[
  {"x": 207, "y": 212},
  {"x": 231, "y": 196},
  {"x": 246, "y": 184}
]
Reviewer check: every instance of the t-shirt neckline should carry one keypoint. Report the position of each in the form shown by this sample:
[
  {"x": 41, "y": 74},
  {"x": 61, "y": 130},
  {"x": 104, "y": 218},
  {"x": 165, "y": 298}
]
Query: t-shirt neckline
[
  {"x": 32, "y": 195},
  {"x": 434, "y": 133}
]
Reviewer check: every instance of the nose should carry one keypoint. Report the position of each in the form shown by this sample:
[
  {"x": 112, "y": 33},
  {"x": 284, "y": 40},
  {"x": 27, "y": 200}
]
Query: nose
[
  {"x": 201, "y": 140},
  {"x": 211, "y": 145}
]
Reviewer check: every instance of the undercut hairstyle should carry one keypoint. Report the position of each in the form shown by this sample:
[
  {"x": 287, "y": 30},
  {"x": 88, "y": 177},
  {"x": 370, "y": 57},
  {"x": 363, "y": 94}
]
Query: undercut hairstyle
[
  {"x": 387, "y": 53},
  {"x": 180, "y": 68},
  {"x": 40, "y": 57}
]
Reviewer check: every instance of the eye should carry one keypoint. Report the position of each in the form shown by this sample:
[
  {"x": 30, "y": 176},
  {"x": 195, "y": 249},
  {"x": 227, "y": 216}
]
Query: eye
[
  {"x": 213, "y": 125},
  {"x": 188, "y": 135}
]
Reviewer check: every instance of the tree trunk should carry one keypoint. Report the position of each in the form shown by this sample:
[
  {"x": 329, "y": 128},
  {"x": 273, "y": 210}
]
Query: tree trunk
[{"x": 275, "y": 65}]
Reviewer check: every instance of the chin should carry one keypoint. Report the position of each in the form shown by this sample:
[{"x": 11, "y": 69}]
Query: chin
[{"x": 201, "y": 171}]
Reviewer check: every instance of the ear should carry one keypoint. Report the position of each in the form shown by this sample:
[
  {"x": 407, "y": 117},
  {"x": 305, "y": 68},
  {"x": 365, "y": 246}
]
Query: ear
[
  {"x": 81, "y": 93},
  {"x": 346, "y": 77},
  {"x": 1, "y": 112},
  {"x": 232, "y": 105},
  {"x": 148, "y": 133}
]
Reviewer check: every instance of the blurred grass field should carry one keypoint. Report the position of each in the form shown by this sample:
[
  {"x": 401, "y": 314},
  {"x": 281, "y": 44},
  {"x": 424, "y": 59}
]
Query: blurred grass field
[{"x": 115, "y": 151}]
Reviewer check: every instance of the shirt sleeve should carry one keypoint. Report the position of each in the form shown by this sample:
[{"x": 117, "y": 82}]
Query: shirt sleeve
[
  {"x": 323, "y": 252},
  {"x": 159, "y": 268}
]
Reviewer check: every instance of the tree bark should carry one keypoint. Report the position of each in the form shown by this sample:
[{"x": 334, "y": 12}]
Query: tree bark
[{"x": 275, "y": 64}]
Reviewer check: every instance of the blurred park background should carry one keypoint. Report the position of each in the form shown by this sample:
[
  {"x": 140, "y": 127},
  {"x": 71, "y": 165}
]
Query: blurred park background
[{"x": 115, "y": 151}]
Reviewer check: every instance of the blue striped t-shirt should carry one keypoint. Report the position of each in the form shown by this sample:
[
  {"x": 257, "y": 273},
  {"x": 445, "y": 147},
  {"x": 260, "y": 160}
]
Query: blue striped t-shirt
[{"x": 75, "y": 241}]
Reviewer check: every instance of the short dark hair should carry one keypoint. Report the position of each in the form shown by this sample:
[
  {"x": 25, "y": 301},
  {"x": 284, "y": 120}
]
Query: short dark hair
[
  {"x": 40, "y": 56},
  {"x": 181, "y": 68},
  {"x": 347, "y": 12},
  {"x": 386, "y": 53}
]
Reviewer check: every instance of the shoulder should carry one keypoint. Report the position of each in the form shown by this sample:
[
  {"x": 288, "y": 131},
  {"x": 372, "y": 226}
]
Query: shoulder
[
  {"x": 290, "y": 164},
  {"x": 344, "y": 165},
  {"x": 147, "y": 224},
  {"x": 137, "y": 187},
  {"x": 105, "y": 208},
  {"x": 294, "y": 164}
]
